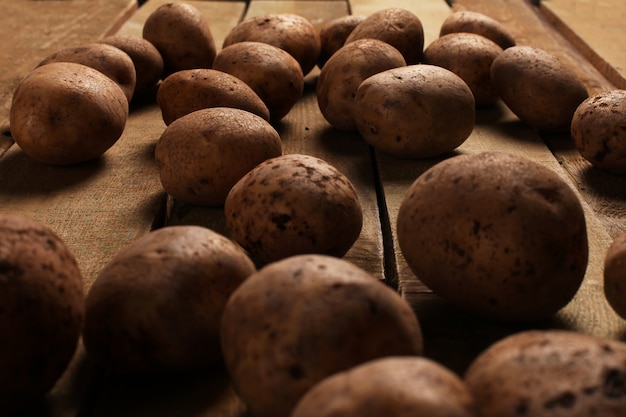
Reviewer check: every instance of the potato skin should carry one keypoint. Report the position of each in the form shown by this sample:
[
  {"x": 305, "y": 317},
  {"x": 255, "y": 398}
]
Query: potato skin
[
  {"x": 201, "y": 155},
  {"x": 473, "y": 22},
  {"x": 538, "y": 88},
  {"x": 403, "y": 111},
  {"x": 42, "y": 304},
  {"x": 333, "y": 35},
  {"x": 495, "y": 234},
  {"x": 156, "y": 306},
  {"x": 301, "y": 319},
  {"x": 550, "y": 373},
  {"x": 65, "y": 113},
  {"x": 615, "y": 275}
]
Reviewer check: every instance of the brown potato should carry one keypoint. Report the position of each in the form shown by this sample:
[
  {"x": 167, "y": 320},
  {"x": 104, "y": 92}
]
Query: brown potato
[
  {"x": 182, "y": 35},
  {"x": 403, "y": 111},
  {"x": 340, "y": 78},
  {"x": 615, "y": 275},
  {"x": 333, "y": 35},
  {"x": 599, "y": 131},
  {"x": 390, "y": 386},
  {"x": 469, "y": 56},
  {"x": 495, "y": 234},
  {"x": 301, "y": 319},
  {"x": 474, "y": 22},
  {"x": 42, "y": 309},
  {"x": 272, "y": 73},
  {"x": 290, "y": 32},
  {"x": 156, "y": 306},
  {"x": 538, "y": 88},
  {"x": 201, "y": 155},
  {"x": 65, "y": 113},
  {"x": 109, "y": 60},
  {"x": 550, "y": 373},
  {"x": 293, "y": 204}
]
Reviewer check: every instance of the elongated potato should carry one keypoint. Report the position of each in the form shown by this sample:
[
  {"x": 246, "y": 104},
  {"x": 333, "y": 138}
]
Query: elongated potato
[
  {"x": 334, "y": 33},
  {"x": 468, "y": 21}
]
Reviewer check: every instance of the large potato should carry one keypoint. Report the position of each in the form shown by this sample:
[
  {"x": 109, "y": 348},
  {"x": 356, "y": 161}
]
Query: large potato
[
  {"x": 495, "y": 234},
  {"x": 304, "y": 318},
  {"x": 467, "y": 21},
  {"x": 404, "y": 111},
  {"x": 156, "y": 306},
  {"x": 334, "y": 33},
  {"x": 41, "y": 310},
  {"x": 65, "y": 113},
  {"x": 615, "y": 275}
]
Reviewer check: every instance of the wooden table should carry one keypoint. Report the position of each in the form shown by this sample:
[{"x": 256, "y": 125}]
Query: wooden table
[{"x": 100, "y": 207}]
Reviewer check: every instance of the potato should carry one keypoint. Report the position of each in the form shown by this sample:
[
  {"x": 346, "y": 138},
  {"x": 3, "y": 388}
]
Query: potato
[
  {"x": 42, "y": 308},
  {"x": 398, "y": 27},
  {"x": 474, "y": 22},
  {"x": 599, "y": 131},
  {"x": 301, "y": 319},
  {"x": 469, "y": 56},
  {"x": 290, "y": 32},
  {"x": 272, "y": 73},
  {"x": 146, "y": 58},
  {"x": 156, "y": 306},
  {"x": 65, "y": 113},
  {"x": 615, "y": 275},
  {"x": 340, "y": 78},
  {"x": 538, "y": 88},
  {"x": 201, "y": 155},
  {"x": 390, "y": 386},
  {"x": 293, "y": 204},
  {"x": 182, "y": 35},
  {"x": 550, "y": 373},
  {"x": 109, "y": 60},
  {"x": 404, "y": 111},
  {"x": 495, "y": 234},
  {"x": 333, "y": 35},
  {"x": 189, "y": 90}
]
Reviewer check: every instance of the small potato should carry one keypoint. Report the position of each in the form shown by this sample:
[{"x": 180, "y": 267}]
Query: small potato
[
  {"x": 290, "y": 32},
  {"x": 496, "y": 235},
  {"x": 293, "y": 204},
  {"x": 333, "y": 35},
  {"x": 189, "y": 90},
  {"x": 182, "y": 35},
  {"x": 615, "y": 275},
  {"x": 404, "y": 111},
  {"x": 599, "y": 130},
  {"x": 474, "y": 22},
  {"x": 156, "y": 306},
  {"x": 398, "y": 27},
  {"x": 340, "y": 78},
  {"x": 469, "y": 56},
  {"x": 109, "y": 60},
  {"x": 299, "y": 320},
  {"x": 391, "y": 386},
  {"x": 538, "y": 88},
  {"x": 65, "y": 113},
  {"x": 41, "y": 310},
  {"x": 272, "y": 73},
  {"x": 201, "y": 155},
  {"x": 550, "y": 373}
]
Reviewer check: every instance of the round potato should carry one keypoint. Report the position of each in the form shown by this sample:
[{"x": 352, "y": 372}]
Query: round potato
[
  {"x": 469, "y": 56},
  {"x": 474, "y": 22},
  {"x": 538, "y": 88},
  {"x": 182, "y": 35},
  {"x": 495, "y": 234},
  {"x": 390, "y": 386},
  {"x": 42, "y": 309},
  {"x": 404, "y": 111},
  {"x": 550, "y": 373},
  {"x": 201, "y": 155},
  {"x": 290, "y": 32},
  {"x": 340, "y": 78},
  {"x": 65, "y": 113},
  {"x": 333, "y": 35},
  {"x": 291, "y": 205},
  {"x": 615, "y": 275},
  {"x": 301, "y": 319},
  {"x": 109, "y": 60},
  {"x": 398, "y": 27},
  {"x": 599, "y": 131},
  {"x": 156, "y": 306},
  {"x": 189, "y": 90},
  {"x": 272, "y": 73}
]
